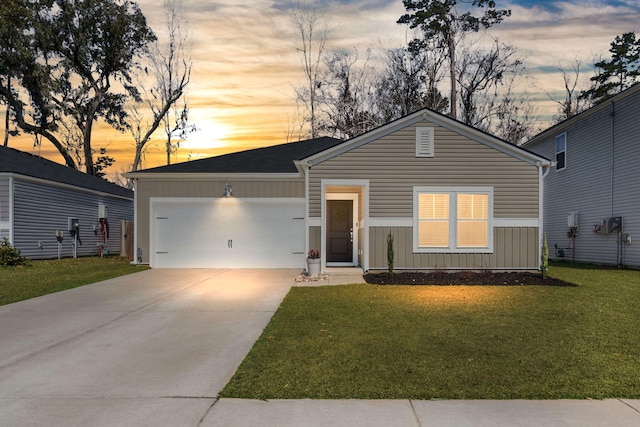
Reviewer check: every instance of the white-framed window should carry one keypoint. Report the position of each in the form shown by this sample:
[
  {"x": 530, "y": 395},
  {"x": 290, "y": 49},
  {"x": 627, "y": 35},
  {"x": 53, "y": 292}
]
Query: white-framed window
[
  {"x": 424, "y": 142},
  {"x": 561, "y": 151},
  {"x": 453, "y": 219}
]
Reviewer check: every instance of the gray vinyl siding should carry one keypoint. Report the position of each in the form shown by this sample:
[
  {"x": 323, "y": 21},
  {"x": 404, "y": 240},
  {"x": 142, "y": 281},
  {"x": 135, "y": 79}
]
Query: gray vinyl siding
[
  {"x": 5, "y": 208},
  {"x": 601, "y": 180},
  {"x": 159, "y": 187},
  {"x": 40, "y": 210},
  {"x": 515, "y": 249},
  {"x": 392, "y": 169},
  {"x": 4, "y": 199}
]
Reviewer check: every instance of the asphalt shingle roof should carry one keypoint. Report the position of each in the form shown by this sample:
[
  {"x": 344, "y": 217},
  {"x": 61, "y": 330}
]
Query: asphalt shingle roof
[
  {"x": 19, "y": 162},
  {"x": 274, "y": 159}
]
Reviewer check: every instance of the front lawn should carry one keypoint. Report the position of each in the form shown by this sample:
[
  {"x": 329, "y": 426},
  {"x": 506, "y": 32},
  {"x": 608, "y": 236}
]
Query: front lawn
[
  {"x": 48, "y": 276},
  {"x": 452, "y": 342}
]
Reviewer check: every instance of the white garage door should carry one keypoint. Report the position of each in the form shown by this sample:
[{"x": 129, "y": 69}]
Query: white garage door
[{"x": 227, "y": 233}]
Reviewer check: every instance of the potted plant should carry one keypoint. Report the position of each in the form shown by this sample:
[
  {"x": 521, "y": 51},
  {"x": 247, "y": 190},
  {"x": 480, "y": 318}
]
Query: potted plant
[{"x": 313, "y": 262}]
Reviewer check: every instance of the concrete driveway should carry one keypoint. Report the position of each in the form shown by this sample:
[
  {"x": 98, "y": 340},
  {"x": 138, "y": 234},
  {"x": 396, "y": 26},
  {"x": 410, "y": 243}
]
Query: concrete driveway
[{"x": 150, "y": 349}]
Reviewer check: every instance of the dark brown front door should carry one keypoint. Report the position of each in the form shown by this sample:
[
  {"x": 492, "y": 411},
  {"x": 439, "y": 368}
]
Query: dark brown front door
[{"x": 340, "y": 231}]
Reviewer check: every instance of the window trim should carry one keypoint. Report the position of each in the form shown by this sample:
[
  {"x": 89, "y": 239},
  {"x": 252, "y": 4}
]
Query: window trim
[
  {"x": 564, "y": 134},
  {"x": 453, "y": 218}
]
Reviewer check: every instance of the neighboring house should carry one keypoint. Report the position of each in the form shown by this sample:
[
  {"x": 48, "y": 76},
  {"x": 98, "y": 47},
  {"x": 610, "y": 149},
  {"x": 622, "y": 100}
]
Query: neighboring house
[
  {"x": 39, "y": 197},
  {"x": 451, "y": 196},
  {"x": 592, "y": 194}
]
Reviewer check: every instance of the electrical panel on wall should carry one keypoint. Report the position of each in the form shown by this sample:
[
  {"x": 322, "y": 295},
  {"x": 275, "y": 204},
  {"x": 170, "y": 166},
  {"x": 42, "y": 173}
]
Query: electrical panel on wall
[{"x": 572, "y": 219}]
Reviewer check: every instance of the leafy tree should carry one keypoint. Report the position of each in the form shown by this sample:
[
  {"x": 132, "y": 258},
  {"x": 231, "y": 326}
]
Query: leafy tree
[
  {"x": 442, "y": 21},
  {"x": 619, "y": 73},
  {"x": 75, "y": 60}
]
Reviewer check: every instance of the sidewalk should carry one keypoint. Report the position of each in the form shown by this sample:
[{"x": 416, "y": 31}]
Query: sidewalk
[{"x": 418, "y": 413}]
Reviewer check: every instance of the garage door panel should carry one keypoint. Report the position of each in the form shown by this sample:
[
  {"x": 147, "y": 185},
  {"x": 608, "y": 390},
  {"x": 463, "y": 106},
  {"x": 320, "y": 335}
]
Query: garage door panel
[{"x": 228, "y": 233}]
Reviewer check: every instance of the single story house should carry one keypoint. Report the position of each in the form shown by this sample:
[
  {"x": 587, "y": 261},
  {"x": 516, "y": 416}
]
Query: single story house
[
  {"x": 592, "y": 194},
  {"x": 451, "y": 196},
  {"x": 39, "y": 197}
]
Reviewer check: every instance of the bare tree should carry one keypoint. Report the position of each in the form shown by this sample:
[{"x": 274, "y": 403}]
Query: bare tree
[
  {"x": 481, "y": 75},
  {"x": 515, "y": 119},
  {"x": 347, "y": 95},
  {"x": 572, "y": 103},
  {"x": 170, "y": 69},
  {"x": 312, "y": 27},
  {"x": 409, "y": 82}
]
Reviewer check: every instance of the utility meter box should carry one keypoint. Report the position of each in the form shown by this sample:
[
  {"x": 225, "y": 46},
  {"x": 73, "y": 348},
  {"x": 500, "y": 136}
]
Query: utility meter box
[
  {"x": 72, "y": 223},
  {"x": 615, "y": 224},
  {"x": 572, "y": 219},
  {"x": 102, "y": 211}
]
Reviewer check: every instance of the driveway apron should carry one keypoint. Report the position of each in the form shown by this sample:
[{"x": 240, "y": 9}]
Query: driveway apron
[{"x": 152, "y": 348}]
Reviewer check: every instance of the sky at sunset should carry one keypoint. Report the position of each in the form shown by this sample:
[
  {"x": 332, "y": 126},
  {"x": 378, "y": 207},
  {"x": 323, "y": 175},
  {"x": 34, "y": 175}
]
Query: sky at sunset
[{"x": 245, "y": 63}]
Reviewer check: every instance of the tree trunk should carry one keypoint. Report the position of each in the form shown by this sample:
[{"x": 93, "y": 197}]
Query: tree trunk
[
  {"x": 452, "y": 76},
  {"x": 88, "y": 128},
  {"x": 7, "y": 113},
  {"x": 6, "y": 126}
]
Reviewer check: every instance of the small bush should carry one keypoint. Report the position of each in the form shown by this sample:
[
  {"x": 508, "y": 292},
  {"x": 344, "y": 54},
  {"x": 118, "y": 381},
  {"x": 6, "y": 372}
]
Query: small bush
[
  {"x": 10, "y": 255},
  {"x": 390, "y": 254}
]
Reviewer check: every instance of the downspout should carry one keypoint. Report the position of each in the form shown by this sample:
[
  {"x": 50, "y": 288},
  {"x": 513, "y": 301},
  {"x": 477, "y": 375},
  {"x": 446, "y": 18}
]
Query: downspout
[
  {"x": 305, "y": 169},
  {"x": 135, "y": 221},
  {"x": 612, "y": 115},
  {"x": 542, "y": 174},
  {"x": 613, "y": 143},
  {"x": 12, "y": 224}
]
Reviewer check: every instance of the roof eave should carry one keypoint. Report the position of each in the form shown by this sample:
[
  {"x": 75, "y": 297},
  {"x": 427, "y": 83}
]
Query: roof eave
[
  {"x": 213, "y": 175},
  {"x": 440, "y": 120}
]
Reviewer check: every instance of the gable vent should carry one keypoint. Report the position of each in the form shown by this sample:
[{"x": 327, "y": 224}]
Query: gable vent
[{"x": 424, "y": 142}]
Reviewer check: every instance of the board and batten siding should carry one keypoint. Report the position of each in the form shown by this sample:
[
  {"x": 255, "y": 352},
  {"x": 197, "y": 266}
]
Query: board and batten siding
[
  {"x": 195, "y": 188},
  {"x": 515, "y": 248},
  {"x": 392, "y": 169},
  {"x": 40, "y": 209},
  {"x": 601, "y": 180}
]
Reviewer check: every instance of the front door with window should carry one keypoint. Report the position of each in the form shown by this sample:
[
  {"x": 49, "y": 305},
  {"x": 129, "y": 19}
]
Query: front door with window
[{"x": 340, "y": 231}]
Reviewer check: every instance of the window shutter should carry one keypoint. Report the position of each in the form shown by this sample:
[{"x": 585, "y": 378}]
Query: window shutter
[{"x": 424, "y": 142}]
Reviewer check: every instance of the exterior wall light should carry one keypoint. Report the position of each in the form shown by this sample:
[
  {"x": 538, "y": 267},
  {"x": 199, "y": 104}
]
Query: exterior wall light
[{"x": 228, "y": 191}]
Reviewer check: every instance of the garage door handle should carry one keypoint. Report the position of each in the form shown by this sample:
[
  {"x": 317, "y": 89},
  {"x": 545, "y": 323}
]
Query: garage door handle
[
  {"x": 162, "y": 252},
  {"x": 230, "y": 244}
]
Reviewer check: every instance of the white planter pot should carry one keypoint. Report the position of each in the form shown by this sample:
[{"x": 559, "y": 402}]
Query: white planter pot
[{"x": 313, "y": 267}]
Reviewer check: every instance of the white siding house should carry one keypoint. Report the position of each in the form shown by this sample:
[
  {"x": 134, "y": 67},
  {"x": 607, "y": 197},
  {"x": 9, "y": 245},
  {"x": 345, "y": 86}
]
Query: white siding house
[{"x": 596, "y": 182}]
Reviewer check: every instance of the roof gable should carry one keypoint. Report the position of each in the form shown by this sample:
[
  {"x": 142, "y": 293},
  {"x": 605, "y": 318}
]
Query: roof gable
[
  {"x": 562, "y": 126},
  {"x": 274, "y": 159},
  {"x": 26, "y": 164},
  {"x": 438, "y": 119}
]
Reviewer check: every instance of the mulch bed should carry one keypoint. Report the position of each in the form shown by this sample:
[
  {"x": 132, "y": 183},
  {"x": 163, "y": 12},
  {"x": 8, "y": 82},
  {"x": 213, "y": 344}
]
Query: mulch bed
[{"x": 463, "y": 278}]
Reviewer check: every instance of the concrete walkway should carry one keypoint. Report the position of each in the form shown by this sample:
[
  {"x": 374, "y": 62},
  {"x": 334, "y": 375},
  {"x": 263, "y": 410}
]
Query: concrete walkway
[{"x": 155, "y": 349}]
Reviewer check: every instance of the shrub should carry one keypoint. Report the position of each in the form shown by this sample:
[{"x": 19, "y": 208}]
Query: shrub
[
  {"x": 390, "y": 254},
  {"x": 544, "y": 257},
  {"x": 10, "y": 255}
]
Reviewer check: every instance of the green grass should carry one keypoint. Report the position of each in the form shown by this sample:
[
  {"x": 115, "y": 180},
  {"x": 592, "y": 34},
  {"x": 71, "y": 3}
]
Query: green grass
[
  {"x": 45, "y": 277},
  {"x": 452, "y": 342}
]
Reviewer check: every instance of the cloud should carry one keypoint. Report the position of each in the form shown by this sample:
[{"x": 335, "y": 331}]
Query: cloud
[{"x": 246, "y": 64}]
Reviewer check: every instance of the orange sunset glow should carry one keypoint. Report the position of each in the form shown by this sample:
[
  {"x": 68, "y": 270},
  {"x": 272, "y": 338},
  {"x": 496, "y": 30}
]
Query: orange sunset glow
[{"x": 245, "y": 64}]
